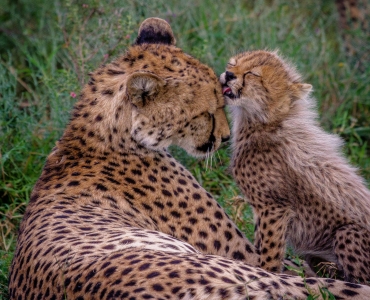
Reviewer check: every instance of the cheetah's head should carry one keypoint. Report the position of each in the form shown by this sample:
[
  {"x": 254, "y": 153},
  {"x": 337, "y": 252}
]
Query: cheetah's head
[
  {"x": 174, "y": 98},
  {"x": 262, "y": 86}
]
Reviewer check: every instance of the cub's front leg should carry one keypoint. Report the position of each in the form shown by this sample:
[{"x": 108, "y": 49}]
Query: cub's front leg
[
  {"x": 352, "y": 249},
  {"x": 270, "y": 236}
]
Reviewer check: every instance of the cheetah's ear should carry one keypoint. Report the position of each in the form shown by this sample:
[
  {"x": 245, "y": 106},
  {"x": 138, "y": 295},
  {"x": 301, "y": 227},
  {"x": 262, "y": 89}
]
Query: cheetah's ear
[
  {"x": 143, "y": 87},
  {"x": 155, "y": 31},
  {"x": 301, "y": 90}
]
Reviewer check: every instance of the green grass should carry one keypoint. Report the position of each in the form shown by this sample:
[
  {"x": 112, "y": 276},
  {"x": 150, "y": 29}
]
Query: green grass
[{"x": 49, "y": 47}]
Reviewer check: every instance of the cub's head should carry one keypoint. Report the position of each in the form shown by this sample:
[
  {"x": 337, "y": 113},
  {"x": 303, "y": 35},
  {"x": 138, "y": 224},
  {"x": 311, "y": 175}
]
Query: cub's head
[
  {"x": 262, "y": 85},
  {"x": 173, "y": 98}
]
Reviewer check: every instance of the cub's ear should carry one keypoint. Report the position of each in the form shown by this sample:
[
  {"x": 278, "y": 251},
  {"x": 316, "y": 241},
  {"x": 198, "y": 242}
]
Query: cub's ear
[
  {"x": 143, "y": 87},
  {"x": 155, "y": 31},
  {"x": 301, "y": 90}
]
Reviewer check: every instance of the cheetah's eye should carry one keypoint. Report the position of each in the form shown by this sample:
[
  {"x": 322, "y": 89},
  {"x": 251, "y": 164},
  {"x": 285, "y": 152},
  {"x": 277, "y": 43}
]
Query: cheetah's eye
[{"x": 230, "y": 65}]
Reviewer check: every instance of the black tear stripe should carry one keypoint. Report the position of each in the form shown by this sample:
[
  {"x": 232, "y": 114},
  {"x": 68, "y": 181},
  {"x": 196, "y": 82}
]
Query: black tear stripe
[{"x": 209, "y": 145}]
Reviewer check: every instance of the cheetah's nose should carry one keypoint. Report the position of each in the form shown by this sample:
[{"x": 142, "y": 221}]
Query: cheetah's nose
[{"x": 225, "y": 139}]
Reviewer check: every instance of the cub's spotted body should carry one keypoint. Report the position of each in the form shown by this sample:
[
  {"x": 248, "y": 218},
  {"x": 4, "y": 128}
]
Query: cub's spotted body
[
  {"x": 301, "y": 188},
  {"x": 114, "y": 216}
]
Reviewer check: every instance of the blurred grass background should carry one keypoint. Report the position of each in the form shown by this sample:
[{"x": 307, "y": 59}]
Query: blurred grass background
[{"x": 47, "y": 49}]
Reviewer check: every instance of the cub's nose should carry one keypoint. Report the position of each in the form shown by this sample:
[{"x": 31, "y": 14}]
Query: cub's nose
[{"x": 229, "y": 76}]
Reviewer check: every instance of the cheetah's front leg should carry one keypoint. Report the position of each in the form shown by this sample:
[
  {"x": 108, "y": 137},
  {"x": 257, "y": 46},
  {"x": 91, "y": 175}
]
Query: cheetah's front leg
[{"x": 270, "y": 236}]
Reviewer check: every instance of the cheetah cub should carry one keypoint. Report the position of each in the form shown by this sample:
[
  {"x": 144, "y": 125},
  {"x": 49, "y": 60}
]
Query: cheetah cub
[{"x": 303, "y": 191}]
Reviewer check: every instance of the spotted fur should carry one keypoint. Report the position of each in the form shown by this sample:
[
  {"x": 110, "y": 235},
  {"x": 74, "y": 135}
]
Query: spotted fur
[
  {"x": 115, "y": 216},
  {"x": 302, "y": 189}
]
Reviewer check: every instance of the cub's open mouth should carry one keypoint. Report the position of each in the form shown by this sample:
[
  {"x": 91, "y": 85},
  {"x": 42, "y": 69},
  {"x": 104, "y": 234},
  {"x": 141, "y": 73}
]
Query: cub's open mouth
[{"x": 226, "y": 91}]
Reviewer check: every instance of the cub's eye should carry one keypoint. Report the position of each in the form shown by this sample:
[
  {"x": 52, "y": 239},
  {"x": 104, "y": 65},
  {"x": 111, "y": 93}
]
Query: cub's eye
[
  {"x": 230, "y": 65},
  {"x": 251, "y": 73},
  {"x": 250, "y": 77}
]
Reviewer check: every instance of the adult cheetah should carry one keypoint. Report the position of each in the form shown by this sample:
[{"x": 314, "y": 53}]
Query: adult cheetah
[
  {"x": 301, "y": 188},
  {"x": 114, "y": 216}
]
